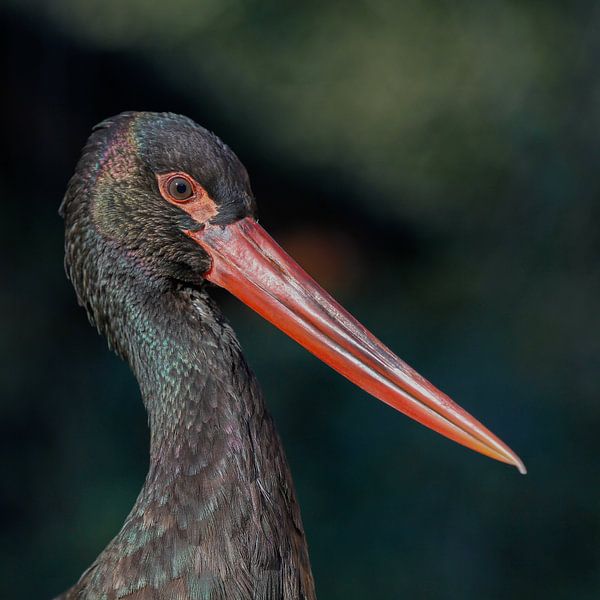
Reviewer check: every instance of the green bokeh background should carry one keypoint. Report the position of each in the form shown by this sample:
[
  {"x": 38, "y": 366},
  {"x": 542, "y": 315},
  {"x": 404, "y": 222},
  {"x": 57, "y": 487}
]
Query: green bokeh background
[{"x": 435, "y": 164}]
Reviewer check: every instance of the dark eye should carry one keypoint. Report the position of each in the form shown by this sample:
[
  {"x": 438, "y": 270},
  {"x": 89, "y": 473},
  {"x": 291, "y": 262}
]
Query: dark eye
[{"x": 180, "y": 188}]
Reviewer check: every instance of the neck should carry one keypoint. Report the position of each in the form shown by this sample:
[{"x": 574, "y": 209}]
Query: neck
[{"x": 217, "y": 515}]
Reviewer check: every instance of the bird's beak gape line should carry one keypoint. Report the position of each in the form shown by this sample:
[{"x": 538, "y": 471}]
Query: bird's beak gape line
[{"x": 250, "y": 264}]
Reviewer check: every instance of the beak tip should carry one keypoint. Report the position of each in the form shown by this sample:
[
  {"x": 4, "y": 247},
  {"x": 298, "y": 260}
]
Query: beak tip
[{"x": 517, "y": 462}]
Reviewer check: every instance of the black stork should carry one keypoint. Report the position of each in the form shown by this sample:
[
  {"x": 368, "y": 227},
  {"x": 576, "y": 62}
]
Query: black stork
[{"x": 158, "y": 207}]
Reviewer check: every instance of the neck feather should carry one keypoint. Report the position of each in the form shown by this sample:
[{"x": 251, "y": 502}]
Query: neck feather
[{"x": 217, "y": 515}]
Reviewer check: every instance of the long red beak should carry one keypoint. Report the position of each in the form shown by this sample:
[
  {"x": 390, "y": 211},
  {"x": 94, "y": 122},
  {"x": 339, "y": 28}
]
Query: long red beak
[{"x": 249, "y": 263}]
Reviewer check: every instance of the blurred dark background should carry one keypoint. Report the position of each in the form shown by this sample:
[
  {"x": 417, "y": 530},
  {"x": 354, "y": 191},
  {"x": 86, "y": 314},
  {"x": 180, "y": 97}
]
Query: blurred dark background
[{"x": 435, "y": 164}]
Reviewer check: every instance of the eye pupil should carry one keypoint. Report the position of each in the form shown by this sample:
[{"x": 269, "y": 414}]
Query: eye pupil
[{"x": 180, "y": 189}]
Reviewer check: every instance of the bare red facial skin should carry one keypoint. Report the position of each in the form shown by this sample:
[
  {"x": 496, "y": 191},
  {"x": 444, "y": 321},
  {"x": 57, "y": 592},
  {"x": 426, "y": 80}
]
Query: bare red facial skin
[
  {"x": 248, "y": 263},
  {"x": 200, "y": 206}
]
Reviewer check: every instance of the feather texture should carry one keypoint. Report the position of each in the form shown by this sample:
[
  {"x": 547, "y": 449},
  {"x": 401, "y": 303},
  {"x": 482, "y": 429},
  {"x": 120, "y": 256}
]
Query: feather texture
[{"x": 217, "y": 517}]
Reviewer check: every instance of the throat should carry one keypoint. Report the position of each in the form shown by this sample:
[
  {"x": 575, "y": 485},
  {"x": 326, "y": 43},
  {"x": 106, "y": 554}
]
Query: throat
[
  {"x": 218, "y": 496},
  {"x": 202, "y": 400}
]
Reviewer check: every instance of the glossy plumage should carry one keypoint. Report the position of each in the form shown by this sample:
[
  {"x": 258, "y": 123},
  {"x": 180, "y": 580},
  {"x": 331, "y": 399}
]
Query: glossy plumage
[
  {"x": 217, "y": 516},
  {"x": 157, "y": 207}
]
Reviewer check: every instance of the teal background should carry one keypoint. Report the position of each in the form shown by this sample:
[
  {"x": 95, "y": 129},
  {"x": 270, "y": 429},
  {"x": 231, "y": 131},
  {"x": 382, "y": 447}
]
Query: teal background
[{"x": 433, "y": 164}]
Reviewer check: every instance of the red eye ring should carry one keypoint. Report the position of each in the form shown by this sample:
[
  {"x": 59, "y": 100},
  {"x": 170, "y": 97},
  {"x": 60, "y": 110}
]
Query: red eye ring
[
  {"x": 178, "y": 187},
  {"x": 190, "y": 196}
]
